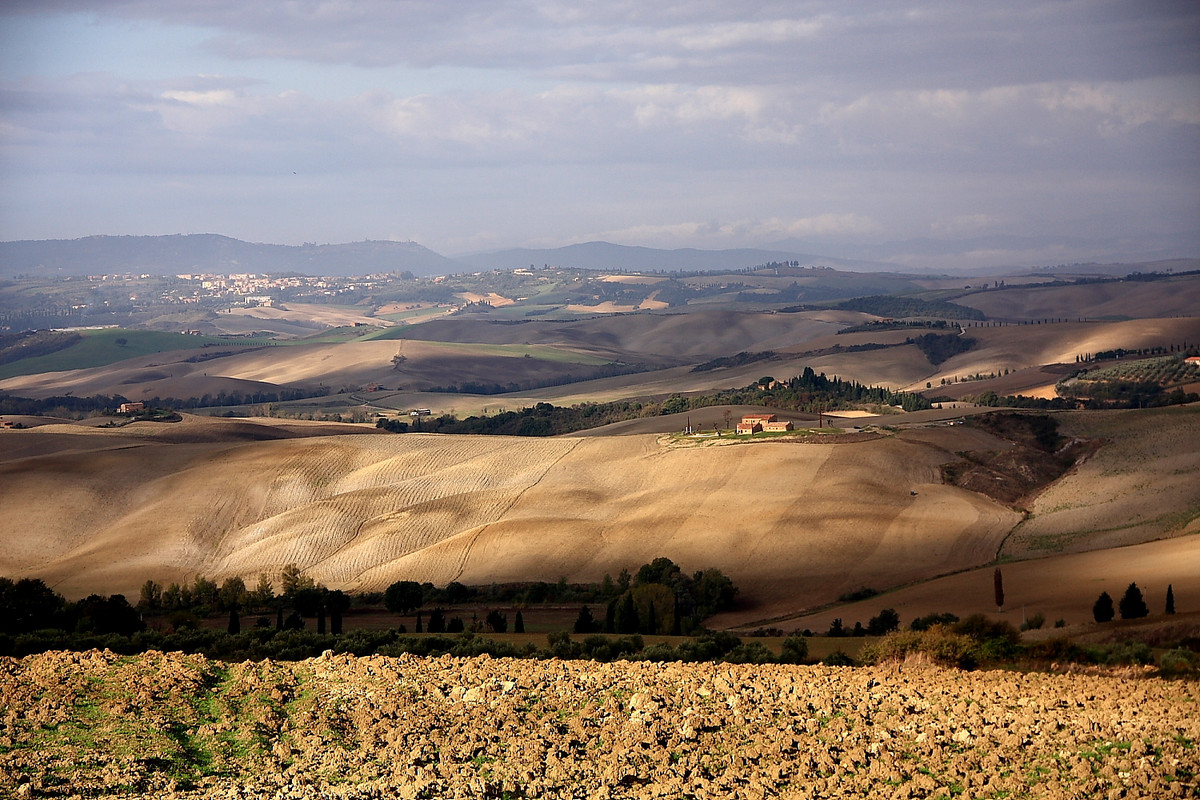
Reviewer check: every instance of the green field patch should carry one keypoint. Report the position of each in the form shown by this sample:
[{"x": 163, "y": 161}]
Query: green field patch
[
  {"x": 414, "y": 315},
  {"x": 345, "y": 333},
  {"x": 98, "y": 348}
]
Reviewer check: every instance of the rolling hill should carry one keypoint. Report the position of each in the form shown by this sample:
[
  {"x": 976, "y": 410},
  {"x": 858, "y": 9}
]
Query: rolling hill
[{"x": 796, "y": 524}]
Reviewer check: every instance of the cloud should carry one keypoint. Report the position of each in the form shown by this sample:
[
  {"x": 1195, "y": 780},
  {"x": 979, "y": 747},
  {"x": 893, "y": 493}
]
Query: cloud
[{"x": 692, "y": 122}]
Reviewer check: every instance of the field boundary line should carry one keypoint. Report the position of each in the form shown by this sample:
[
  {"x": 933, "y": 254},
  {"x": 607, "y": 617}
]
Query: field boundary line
[{"x": 466, "y": 551}]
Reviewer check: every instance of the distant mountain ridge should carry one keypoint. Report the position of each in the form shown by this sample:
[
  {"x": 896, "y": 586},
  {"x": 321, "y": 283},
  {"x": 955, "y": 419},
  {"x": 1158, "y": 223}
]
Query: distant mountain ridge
[
  {"x": 191, "y": 253},
  {"x": 184, "y": 253}
]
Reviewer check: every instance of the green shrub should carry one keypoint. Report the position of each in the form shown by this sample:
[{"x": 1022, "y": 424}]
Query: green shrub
[
  {"x": 750, "y": 653},
  {"x": 1129, "y": 653},
  {"x": 1060, "y": 650},
  {"x": 938, "y": 644},
  {"x": 838, "y": 659},
  {"x": 1179, "y": 664},
  {"x": 793, "y": 650}
]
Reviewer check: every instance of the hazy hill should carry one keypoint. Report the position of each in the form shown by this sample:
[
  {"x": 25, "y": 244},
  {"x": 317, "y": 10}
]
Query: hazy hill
[
  {"x": 604, "y": 255},
  {"x": 169, "y": 255}
]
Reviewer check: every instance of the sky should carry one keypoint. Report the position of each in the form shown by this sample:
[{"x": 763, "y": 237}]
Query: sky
[{"x": 1030, "y": 131}]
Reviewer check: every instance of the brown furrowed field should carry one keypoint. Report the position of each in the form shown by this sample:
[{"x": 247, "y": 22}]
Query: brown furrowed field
[
  {"x": 359, "y": 512},
  {"x": 96, "y": 724},
  {"x": 796, "y": 523}
]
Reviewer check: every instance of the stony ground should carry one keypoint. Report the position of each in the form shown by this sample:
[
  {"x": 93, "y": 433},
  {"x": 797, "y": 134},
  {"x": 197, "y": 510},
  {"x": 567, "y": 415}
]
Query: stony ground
[{"x": 162, "y": 725}]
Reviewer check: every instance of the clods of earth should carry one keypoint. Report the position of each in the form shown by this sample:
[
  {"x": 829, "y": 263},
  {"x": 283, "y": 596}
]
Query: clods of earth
[{"x": 97, "y": 724}]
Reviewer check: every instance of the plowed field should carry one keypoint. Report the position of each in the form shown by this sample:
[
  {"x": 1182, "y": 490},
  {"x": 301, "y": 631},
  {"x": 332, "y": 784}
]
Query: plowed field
[{"x": 98, "y": 725}]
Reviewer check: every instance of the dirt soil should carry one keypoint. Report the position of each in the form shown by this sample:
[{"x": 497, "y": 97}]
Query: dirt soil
[{"x": 168, "y": 725}]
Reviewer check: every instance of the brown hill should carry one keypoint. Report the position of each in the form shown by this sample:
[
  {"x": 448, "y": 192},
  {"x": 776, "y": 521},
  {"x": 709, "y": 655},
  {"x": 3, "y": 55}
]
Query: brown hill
[
  {"x": 668, "y": 345},
  {"x": 362, "y": 511},
  {"x": 1177, "y": 296},
  {"x": 796, "y": 524}
]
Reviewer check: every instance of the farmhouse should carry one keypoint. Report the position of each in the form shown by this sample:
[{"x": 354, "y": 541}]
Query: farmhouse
[
  {"x": 129, "y": 408},
  {"x": 754, "y": 423}
]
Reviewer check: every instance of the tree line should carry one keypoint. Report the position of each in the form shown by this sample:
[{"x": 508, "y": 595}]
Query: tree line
[{"x": 810, "y": 391}]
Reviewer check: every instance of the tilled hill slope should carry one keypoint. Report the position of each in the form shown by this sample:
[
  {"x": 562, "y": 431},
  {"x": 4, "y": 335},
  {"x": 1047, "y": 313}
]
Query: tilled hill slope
[
  {"x": 96, "y": 724},
  {"x": 359, "y": 512}
]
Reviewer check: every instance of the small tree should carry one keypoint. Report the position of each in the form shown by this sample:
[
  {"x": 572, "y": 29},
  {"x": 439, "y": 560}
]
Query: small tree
[
  {"x": 519, "y": 624},
  {"x": 1170, "y": 600},
  {"x": 403, "y": 596},
  {"x": 1133, "y": 605},
  {"x": 793, "y": 650},
  {"x": 585, "y": 623},
  {"x": 886, "y": 622},
  {"x": 264, "y": 592},
  {"x": 998, "y": 587},
  {"x": 1102, "y": 610},
  {"x": 235, "y": 622},
  {"x": 233, "y": 593},
  {"x": 497, "y": 622},
  {"x": 292, "y": 580},
  {"x": 437, "y": 621},
  {"x": 151, "y": 599}
]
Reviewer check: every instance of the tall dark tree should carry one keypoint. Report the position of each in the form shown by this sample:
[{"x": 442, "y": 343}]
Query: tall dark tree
[
  {"x": 649, "y": 625},
  {"x": 627, "y": 616},
  {"x": 1103, "y": 610},
  {"x": 1133, "y": 605},
  {"x": 519, "y": 624},
  {"x": 235, "y": 622},
  {"x": 1170, "y": 599},
  {"x": 338, "y": 603},
  {"x": 437, "y": 621},
  {"x": 585, "y": 623},
  {"x": 998, "y": 587},
  {"x": 496, "y": 621}
]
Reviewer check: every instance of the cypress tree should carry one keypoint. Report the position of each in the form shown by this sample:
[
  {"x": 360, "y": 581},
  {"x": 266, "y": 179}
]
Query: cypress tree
[
  {"x": 627, "y": 616},
  {"x": 998, "y": 587},
  {"x": 650, "y": 624},
  {"x": 1102, "y": 611},
  {"x": 419, "y": 628},
  {"x": 1133, "y": 605},
  {"x": 585, "y": 623},
  {"x": 519, "y": 624},
  {"x": 235, "y": 622},
  {"x": 1170, "y": 600}
]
